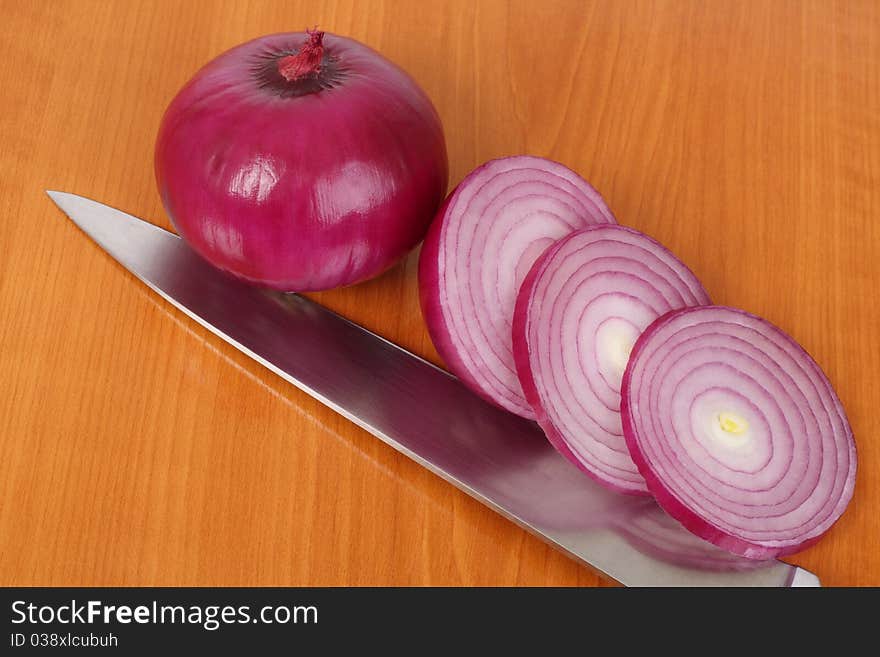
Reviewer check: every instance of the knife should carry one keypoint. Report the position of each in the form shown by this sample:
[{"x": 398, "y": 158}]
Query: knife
[{"x": 424, "y": 412}]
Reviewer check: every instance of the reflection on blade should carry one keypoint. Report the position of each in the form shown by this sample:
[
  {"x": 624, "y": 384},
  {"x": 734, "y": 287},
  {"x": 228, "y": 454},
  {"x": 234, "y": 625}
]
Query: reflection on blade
[
  {"x": 500, "y": 459},
  {"x": 654, "y": 532}
]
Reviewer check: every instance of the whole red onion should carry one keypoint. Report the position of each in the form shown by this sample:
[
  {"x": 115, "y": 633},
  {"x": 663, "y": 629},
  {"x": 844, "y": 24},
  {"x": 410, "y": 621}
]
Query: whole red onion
[{"x": 301, "y": 161}]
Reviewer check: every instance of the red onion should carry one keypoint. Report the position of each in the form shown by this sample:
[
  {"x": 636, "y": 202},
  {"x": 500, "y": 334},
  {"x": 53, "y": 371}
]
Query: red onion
[
  {"x": 478, "y": 250},
  {"x": 737, "y": 431},
  {"x": 578, "y": 314},
  {"x": 301, "y": 162}
]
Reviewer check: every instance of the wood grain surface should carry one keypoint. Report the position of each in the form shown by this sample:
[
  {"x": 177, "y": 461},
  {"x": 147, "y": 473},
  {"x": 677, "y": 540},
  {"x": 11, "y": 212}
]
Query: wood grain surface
[{"x": 138, "y": 449}]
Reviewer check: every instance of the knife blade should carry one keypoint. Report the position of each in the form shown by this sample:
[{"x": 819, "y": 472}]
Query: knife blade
[{"x": 424, "y": 412}]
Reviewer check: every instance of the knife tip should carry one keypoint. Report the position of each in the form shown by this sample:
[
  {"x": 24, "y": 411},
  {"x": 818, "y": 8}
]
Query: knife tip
[
  {"x": 804, "y": 578},
  {"x": 62, "y": 199},
  {"x": 55, "y": 195}
]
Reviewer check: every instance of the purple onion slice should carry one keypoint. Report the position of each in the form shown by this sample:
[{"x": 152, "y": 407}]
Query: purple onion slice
[
  {"x": 578, "y": 315},
  {"x": 737, "y": 431},
  {"x": 479, "y": 249}
]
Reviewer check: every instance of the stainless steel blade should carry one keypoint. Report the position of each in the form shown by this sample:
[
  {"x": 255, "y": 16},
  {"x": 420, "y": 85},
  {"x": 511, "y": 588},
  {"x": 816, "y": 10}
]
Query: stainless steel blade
[{"x": 422, "y": 411}]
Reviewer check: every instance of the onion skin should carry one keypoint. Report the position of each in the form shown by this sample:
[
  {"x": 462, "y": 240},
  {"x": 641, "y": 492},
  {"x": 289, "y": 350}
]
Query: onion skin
[
  {"x": 837, "y": 439},
  {"x": 568, "y": 201},
  {"x": 645, "y": 280},
  {"x": 320, "y": 181}
]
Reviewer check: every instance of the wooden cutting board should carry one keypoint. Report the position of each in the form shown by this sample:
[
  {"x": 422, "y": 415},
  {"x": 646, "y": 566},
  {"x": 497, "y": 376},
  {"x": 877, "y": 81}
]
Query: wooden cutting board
[{"x": 138, "y": 449}]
